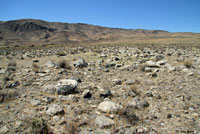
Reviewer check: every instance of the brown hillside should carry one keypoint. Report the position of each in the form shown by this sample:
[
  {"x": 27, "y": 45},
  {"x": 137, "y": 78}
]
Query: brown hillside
[{"x": 30, "y": 31}]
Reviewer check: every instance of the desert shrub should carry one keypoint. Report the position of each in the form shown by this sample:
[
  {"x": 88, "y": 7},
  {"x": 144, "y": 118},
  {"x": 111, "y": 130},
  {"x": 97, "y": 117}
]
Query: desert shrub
[
  {"x": 135, "y": 89},
  {"x": 128, "y": 114},
  {"x": 142, "y": 67},
  {"x": 36, "y": 67},
  {"x": 64, "y": 64},
  {"x": 32, "y": 46},
  {"x": 72, "y": 128},
  {"x": 61, "y": 54},
  {"x": 1, "y": 97},
  {"x": 12, "y": 63},
  {"x": 8, "y": 95},
  {"x": 39, "y": 126},
  {"x": 11, "y": 68},
  {"x": 188, "y": 63}
]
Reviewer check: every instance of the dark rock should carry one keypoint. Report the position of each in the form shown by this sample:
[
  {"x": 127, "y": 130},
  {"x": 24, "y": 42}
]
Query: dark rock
[
  {"x": 154, "y": 75},
  {"x": 117, "y": 82},
  {"x": 117, "y": 59},
  {"x": 13, "y": 85},
  {"x": 169, "y": 116},
  {"x": 107, "y": 65},
  {"x": 87, "y": 94},
  {"x": 35, "y": 61},
  {"x": 105, "y": 94},
  {"x": 1, "y": 97},
  {"x": 66, "y": 86},
  {"x": 76, "y": 79}
]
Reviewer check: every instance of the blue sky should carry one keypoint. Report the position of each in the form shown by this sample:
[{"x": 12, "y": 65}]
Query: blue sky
[{"x": 170, "y": 15}]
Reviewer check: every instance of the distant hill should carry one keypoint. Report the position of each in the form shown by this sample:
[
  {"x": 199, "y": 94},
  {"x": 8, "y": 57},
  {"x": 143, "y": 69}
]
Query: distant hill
[{"x": 33, "y": 32}]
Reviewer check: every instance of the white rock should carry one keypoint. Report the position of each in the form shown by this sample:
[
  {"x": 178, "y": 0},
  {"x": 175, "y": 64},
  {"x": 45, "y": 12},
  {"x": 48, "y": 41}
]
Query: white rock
[
  {"x": 66, "y": 86},
  {"x": 50, "y": 64},
  {"x": 103, "y": 121},
  {"x": 35, "y": 102},
  {"x": 54, "y": 109},
  {"x": 4, "y": 130},
  {"x": 170, "y": 67},
  {"x": 161, "y": 62},
  {"x": 152, "y": 64},
  {"x": 109, "y": 106},
  {"x": 56, "y": 119}
]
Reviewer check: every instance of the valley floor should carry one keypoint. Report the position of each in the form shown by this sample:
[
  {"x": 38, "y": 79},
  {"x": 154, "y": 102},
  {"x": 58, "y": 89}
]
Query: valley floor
[{"x": 101, "y": 90}]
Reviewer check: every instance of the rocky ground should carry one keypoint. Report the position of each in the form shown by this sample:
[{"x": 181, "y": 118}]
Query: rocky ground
[{"x": 101, "y": 90}]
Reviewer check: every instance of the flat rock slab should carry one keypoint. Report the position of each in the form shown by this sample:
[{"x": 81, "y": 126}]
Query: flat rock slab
[
  {"x": 152, "y": 64},
  {"x": 35, "y": 102},
  {"x": 54, "y": 109},
  {"x": 104, "y": 122},
  {"x": 4, "y": 130}
]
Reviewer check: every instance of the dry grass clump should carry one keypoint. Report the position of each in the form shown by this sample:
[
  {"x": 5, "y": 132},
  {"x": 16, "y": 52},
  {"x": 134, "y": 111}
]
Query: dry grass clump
[
  {"x": 39, "y": 126},
  {"x": 135, "y": 89},
  {"x": 72, "y": 128},
  {"x": 36, "y": 67},
  {"x": 142, "y": 67},
  {"x": 12, "y": 66},
  {"x": 188, "y": 63},
  {"x": 61, "y": 54},
  {"x": 12, "y": 63},
  {"x": 128, "y": 113},
  {"x": 8, "y": 95},
  {"x": 64, "y": 64}
]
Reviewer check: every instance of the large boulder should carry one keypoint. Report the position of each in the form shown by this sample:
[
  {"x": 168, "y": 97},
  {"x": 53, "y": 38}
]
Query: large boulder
[{"x": 66, "y": 86}]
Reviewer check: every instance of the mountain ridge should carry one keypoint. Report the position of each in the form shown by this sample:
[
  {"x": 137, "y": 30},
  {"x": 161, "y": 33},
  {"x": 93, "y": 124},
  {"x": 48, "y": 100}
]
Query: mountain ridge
[{"x": 34, "y": 31}]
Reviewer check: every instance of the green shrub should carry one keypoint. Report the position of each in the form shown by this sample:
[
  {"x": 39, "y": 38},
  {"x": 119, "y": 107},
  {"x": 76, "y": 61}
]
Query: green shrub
[{"x": 39, "y": 126}]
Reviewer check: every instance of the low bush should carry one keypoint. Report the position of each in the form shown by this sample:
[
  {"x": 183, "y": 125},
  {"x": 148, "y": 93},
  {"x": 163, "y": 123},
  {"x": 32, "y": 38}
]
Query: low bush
[
  {"x": 188, "y": 63},
  {"x": 36, "y": 67},
  {"x": 39, "y": 126},
  {"x": 64, "y": 64}
]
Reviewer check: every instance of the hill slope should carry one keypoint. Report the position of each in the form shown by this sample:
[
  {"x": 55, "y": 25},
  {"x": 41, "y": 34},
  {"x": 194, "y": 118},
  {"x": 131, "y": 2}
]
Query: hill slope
[{"x": 30, "y": 31}]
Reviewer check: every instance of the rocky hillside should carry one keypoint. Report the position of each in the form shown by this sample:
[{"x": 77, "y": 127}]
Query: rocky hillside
[{"x": 39, "y": 32}]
